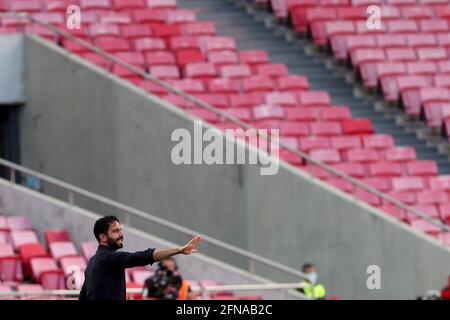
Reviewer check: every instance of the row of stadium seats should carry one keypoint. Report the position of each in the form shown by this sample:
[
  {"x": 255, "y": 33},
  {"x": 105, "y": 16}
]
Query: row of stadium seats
[{"x": 249, "y": 86}]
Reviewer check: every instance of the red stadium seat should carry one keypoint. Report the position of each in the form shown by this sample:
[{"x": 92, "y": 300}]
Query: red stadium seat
[
  {"x": 199, "y": 28},
  {"x": 409, "y": 87},
  {"x": 403, "y": 26},
  {"x": 400, "y": 154},
  {"x": 188, "y": 85},
  {"x": 366, "y": 61},
  {"x": 345, "y": 142},
  {"x": 326, "y": 128},
  {"x": 272, "y": 70},
  {"x": 18, "y": 223},
  {"x": 424, "y": 68},
  {"x": 325, "y": 155},
  {"x": 292, "y": 83},
  {"x": 314, "y": 99},
  {"x": 417, "y": 12},
  {"x": 267, "y": 112},
  {"x": 88, "y": 249},
  {"x": 56, "y": 236},
  {"x": 165, "y": 72},
  {"x": 385, "y": 169},
  {"x": 432, "y": 197},
  {"x": 113, "y": 44},
  {"x": 46, "y": 272},
  {"x": 309, "y": 143},
  {"x": 407, "y": 197},
  {"x": 152, "y": 17},
  {"x": 293, "y": 129},
  {"x": 253, "y": 58},
  {"x": 317, "y": 18},
  {"x": 432, "y": 54},
  {"x": 257, "y": 84},
  {"x": 355, "y": 170},
  {"x": 341, "y": 184},
  {"x": 386, "y": 41},
  {"x": 354, "y": 42},
  {"x": 335, "y": 113},
  {"x": 11, "y": 269},
  {"x": 337, "y": 32},
  {"x": 284, "y": 99},
  {"x": 21, "y": 237},
  {"x": 381, "y": 184},
  {"x": 29, "y": 251},
  {"x": 169, "y": 4},
  {"x": 68, "y": 264},
  {"x": 400, "y": 54},
  {"x": 247, "y": 100},
  {"x": 302, "y": 114},
  {"x": 243, "y": 114},
  {"x": 160, "y": 58},
  {"x": 422, "y": 168},
  {"x": 222, "y": 58},
  {"x": 217, "y": 100},
  {"x": 200, "y": 70},
  {"x": 129, "y": 4},
  {"x": 149, "y": 44},
  {"x": 421, "y": 40},
  {"x": 440, "y": 183},
  {"x": 62, "y": 249},
  {"x": 444, "y": 212},
  {"x": 357, "y": 126},
  {"x": 378, "y": 141},
  {"x": 237, "y": 71},
  {"x": 436, "y": 113},
  {"x": 387, "y": 74},
  {"x": 220, "y": 85},
  {"x": 434, "y": 25},
  {"x": 408, "y": 184},
  {"x": 30, "y": 6},
  {"x": 362, "y": 155},
  {"x": 180, "y": 16},
  {"x": 219, "y": 44}
]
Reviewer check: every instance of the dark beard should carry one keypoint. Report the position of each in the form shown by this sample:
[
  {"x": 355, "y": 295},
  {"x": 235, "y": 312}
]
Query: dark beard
[{"x": 113, "y": 244}]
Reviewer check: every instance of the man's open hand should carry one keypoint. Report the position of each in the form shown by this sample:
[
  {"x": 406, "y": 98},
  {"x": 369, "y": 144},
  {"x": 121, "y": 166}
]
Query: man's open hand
[{"x": 191, "y": 247}]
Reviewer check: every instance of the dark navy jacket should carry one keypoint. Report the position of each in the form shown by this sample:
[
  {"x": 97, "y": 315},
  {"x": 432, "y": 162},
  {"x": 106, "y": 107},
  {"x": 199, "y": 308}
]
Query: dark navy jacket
[{"x": 105, "y": 273}]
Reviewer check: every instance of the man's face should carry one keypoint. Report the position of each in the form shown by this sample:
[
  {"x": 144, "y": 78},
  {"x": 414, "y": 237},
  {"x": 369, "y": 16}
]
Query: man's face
[
  {"x": 170, "y": 265},
  {"x": 115, "y": 236}
]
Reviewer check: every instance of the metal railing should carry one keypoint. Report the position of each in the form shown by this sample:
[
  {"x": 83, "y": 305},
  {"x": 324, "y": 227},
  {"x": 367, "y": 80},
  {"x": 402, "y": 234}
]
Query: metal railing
[
  {"x": 305, "y": 157},
  {"x": 202, "y": 291}
]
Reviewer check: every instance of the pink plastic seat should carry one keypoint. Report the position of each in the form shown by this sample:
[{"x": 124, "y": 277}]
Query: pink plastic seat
[
  {"x": 217, "y": 100},
  {"x": 11, "y": 268},
  {"x": 274, "y": 70},
  {"x": 199, "y": 28},
  {"x": 62, "y": 249},
  {"x": 149, "y": 44},
  {"x": 224, "y": 86},
  {"x": 385, "y": 169},
  {"x": 387, "y": 73},
  {"x": 219, "y": 44},
  {"x": 140, "y": 276},
  {"x": 407, "y": 197},
  {"x": 293, "y": 129},
  {"x": 247, "y": 100},
  {"x": 165, "y": 72},
  {"x": 400, "y": 154},
  {"x": 326, "y": 128},
  {"x": 378, "y": 141},
  {"x": 432, "y": 197},
  {"x": 325, "y": 155},
  {"x": 302, "y": 114},
  {"x": 188, "y": 85},
  {"x": 422, "y": 168},
  {"x": 314, "y": 99},
  {"x": 362, "y": 155},
  {"x": 387, "y": 41},
  {"x": 21, "y": 237},
  {"x": 309, "y": 143},
  {"x": 381, "y": 184},
  {"x": 336, "y": 113},
  {"x": 257, "y": 84},
  {"x": 408, "y": 184},
  {"x": 425, "y": 227},
  {"x": 18, "y": 223},
  {"x": 345, "y": 142},
  {"x": 357, "y": 126},
  {"x": 88, "y": 249},
  {"x": 200, "y": 70},
  {"x": 162, "y": 4},
  {"x": 401, "y": 54},
  {"x": 423, "y": 68},
  {"x": 403, "y": 26},
  {"x": 284, "y": 99},
  {"x": 366, "y": 60},
  {"x": 434, "y": 25},
  {"x": 46, "y": 272},
  {"x": 409, "y": 87},
  {"x": 394, "y": 212},
  {"x": 355, "y": 170},
  {"x": 70, "y": 264},
  {"x": 56, "y": 236},
  {"x": 267, "y": 112},
  {"x": 237, "y": 71},
  {"x": 223, "y": 58},
  {"x": 292, "y": 83}
]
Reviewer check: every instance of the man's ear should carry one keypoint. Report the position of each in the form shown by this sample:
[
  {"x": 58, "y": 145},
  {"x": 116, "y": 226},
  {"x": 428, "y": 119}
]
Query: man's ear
[{"x": 103, "y": 237}]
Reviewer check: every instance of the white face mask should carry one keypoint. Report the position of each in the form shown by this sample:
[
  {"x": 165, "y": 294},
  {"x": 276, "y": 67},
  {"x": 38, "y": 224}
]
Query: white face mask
[{"x": 313, "y": 277}]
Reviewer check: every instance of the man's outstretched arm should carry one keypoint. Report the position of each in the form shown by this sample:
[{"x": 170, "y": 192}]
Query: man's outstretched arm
[{"x": 190, "y": 247}]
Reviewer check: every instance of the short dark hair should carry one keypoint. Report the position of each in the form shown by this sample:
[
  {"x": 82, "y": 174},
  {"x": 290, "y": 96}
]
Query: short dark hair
[
  {"x": 306, "y": 266},
  {"x": 102, "y": 225}
]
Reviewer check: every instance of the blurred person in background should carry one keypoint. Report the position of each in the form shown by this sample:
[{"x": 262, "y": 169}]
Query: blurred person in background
[
  {"x": 167, "y": 283},
  {"x": 310, "y": 287}
]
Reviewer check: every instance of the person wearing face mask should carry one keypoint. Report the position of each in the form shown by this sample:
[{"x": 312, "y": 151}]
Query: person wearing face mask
[{"x": 310, "y": 287}]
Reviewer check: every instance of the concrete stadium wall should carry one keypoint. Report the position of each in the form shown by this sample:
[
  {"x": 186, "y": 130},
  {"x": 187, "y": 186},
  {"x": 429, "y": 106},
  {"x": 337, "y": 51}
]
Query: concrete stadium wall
[
  {"x": 86, "y": 127},
  {"x": 48, "y": 213},
  {"x": 11, "y": 81}
]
